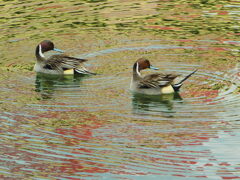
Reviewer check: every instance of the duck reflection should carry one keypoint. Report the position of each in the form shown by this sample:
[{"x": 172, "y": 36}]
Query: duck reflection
[
  {"x": 152, "y": 104},
  {"x": 46, "y": 84}
]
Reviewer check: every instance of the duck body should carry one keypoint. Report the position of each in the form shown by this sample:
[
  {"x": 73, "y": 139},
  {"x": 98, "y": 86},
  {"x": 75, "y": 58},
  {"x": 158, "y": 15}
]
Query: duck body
[
  {"x": 57, "y": 64},
  {"x": 61, "y": 64},
  {"x": 153, "y": 84}
]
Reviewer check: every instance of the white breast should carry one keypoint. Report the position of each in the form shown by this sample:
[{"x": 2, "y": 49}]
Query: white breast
[
  {"x": 167, "y": 90},
  {"x": 38, "y": 67}
]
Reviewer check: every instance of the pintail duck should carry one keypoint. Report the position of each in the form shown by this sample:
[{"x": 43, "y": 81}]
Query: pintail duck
[
  {"x": 59, "y": 63},
  {"x": 154, "y": 84}
]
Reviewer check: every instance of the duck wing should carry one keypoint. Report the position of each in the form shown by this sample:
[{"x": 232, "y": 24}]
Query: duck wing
[
  {"x": 63, "y": 62},
  {"x": 156, "y": 80}
]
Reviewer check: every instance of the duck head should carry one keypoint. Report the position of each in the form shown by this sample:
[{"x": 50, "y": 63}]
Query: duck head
[
  {"x": 45, "y": 46},
  {"x": 142, "y": 64}
]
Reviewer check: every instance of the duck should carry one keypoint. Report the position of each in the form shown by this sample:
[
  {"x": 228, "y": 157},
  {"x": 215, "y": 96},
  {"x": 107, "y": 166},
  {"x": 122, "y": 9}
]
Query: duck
[
  {"x": 58, "y": 63},
  {"x": 156, "y": 83}
]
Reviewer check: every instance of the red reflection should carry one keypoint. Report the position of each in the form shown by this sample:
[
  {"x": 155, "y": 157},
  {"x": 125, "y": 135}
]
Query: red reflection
[
  {"x": 207, "y": 95},
  {"x": 220, "y": 12},
  {"x": 48, "y": 7},
  {"x": 233, "y": 177},
  {"x": 78, "y": 134}
]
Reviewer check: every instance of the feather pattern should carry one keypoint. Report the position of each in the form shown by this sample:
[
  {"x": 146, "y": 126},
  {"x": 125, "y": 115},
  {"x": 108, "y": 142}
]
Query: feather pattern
[
  {"x": 62, "y": 62},
  {"x": 156, "y": 80},
  {"x": 57, "y": 64},
  {"x": 156, "y": 83}
]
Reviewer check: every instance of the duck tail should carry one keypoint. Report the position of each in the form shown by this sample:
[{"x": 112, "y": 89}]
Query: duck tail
[
  {"x": 177, "y": 86},
  {"x": 84, "y": 72}
]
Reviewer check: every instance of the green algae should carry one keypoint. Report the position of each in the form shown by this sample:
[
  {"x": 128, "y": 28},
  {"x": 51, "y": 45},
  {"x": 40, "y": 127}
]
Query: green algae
[
  {"x": 91, "y": 26},
  {"x": 97, "y": 116}
]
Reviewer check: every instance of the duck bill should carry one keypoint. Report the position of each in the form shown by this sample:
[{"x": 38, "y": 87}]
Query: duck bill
[
  {"x": 58, "y": 50},
  {"x": 154, "y": 68}
]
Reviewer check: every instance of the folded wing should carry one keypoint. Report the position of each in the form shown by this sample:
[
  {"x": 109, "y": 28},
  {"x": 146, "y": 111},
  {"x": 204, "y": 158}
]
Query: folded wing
[
  {"x": 63, "y": 62},
  {"x": 157, "y": 80}
]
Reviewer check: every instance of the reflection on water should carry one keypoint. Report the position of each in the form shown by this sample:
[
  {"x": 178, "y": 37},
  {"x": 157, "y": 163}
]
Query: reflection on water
[
  {"x": 143, "y": 104},
  {"x": 93, "y": 127},
  {"x": 47, "y": 84}
]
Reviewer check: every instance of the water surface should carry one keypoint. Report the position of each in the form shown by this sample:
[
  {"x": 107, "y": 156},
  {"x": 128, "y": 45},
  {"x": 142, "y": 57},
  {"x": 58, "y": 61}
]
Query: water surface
[{"x": 94, "y": 127}]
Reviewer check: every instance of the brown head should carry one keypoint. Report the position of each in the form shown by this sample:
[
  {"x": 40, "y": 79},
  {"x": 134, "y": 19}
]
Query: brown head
[
  {"x": 141, "y": 64},
  {"x": 45, "y": 46}
]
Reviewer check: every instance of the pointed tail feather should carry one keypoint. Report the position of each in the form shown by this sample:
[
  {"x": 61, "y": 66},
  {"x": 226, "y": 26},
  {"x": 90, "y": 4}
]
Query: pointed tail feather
[
  {"x": 188, "y": 76},
  {"x": 177, "y": 86},
  {"x": 84, "y": 71}
]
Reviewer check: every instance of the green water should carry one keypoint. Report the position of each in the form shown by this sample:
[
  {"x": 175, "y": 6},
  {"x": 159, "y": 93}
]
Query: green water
[{"x": 94, "y": 127}]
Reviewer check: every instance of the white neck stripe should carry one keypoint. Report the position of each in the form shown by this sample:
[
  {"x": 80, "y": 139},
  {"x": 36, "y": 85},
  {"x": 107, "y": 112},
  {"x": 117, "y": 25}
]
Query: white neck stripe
[
  {"x": 137, "y": 69},
  {"x": 40, "y": 51}
]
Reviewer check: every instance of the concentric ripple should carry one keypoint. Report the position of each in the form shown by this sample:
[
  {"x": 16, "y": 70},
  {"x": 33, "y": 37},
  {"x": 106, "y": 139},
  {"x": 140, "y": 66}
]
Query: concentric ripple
[{"x": 93, "y": 127}]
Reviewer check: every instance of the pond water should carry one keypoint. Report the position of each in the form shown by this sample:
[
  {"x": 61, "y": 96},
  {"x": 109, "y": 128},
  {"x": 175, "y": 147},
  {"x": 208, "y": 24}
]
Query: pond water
[{"x": 94, "y": 127}]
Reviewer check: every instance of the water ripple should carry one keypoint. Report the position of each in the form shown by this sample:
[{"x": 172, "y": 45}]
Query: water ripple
[{"x": 178, "y": 135}]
